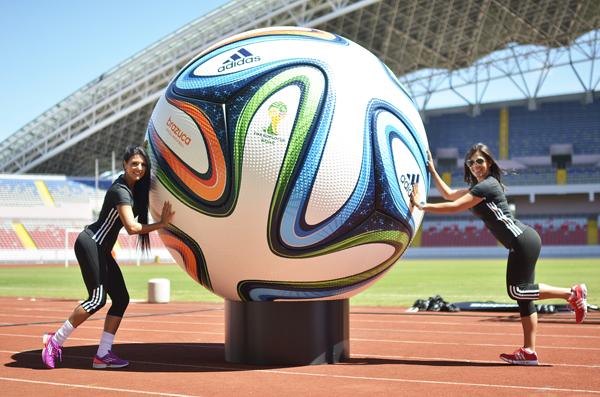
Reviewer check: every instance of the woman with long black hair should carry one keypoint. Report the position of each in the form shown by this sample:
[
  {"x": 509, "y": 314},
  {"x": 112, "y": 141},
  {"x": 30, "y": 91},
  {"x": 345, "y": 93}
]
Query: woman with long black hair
[
  {"x": 125, "y": 200},
  {"x": 486, "y": 199}
]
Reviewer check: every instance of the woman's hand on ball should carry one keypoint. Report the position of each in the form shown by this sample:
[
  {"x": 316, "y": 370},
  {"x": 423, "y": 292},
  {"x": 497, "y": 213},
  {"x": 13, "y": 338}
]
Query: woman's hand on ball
[
  {"x": 167, "y": 214},
  {"x": 415, "y": 198},
  {"x": 430, "y": 164}
]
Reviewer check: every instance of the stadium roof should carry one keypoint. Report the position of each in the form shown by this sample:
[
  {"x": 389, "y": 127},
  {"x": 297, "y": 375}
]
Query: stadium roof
[{"x": 410, "y": 36}]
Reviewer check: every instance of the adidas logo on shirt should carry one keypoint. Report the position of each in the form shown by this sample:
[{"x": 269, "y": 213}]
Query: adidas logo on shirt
[{"x": 238, "y": 58}]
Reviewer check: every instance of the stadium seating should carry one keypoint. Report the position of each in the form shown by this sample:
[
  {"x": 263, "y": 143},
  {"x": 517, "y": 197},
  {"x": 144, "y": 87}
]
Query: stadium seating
[
  {"x": 52, "y": 236},
  {"x": 560, "y": 231},
  {"x": 447, "y": 232},
  {"x": 19, "y": 193},
  {"x": 530, "y": 176},
  {"x": 583, "y": 174},
  {"x": 8, "y": 237},
  {"x": 531, "y": 134},
  {"x": 461, "y": 130},
  {"x": 68, "y": 191},
  {"x": 460, "y": 233}
]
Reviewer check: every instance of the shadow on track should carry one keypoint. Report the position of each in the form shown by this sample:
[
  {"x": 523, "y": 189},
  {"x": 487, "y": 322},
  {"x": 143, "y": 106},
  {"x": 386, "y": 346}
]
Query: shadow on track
[{"x": 192, "y": 357}]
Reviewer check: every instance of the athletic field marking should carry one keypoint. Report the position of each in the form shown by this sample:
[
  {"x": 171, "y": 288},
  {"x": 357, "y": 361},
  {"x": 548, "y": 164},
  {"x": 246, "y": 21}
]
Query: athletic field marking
[
  {"x": 71, "y": 338},
  {"x": 562, "y": 336},
  {"x": 159, "y": 310},
  {"x": 367, "y": 356},
  {"x": 368, "y": 378},
  {"x": 351, "y": 339},
  {"x": 479, "y": 323},
  {"x": 355, "y": 355},
  {"x": 468, "y": 344},
  {"x": 69, "y": 385},
  {"x": 487, "y": 385},
  {"x": 547, "y": 319},
  {"x": 137, "y": 320},
  {"x": 130, "y": 318}
]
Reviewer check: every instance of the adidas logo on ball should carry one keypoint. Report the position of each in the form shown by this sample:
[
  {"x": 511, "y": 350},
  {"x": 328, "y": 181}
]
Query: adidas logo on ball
[
  {"x": 241, "y": 57},
  {"x": 408, "y": 180}
]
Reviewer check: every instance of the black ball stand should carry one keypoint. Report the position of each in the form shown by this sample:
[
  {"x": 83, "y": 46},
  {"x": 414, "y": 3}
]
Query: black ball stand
[{"x": 287, "y": 332}]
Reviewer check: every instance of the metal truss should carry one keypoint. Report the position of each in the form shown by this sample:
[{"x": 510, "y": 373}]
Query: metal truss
[
  {"x": 517, "y": 72},
  {"x": 431, "y": 43}
]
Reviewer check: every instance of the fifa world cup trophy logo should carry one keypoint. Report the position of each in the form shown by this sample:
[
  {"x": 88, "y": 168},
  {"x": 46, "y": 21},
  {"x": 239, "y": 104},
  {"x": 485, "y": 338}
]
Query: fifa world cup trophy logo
[{"x": 277, "y": 112}]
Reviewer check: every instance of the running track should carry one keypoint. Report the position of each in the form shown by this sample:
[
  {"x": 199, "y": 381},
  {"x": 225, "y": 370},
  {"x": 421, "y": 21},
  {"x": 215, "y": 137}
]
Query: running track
[{"x": 176, "y": 349}]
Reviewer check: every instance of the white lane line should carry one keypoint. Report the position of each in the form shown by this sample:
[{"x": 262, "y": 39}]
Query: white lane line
[
  {"x": 355, "y": 355},
  {"x": 433, "y": 382},
  {"x": 128, "y": 319},
  {"x": 351, "y": 339},
  {"x": 353, "y": 319},
  {"x": 515, "y": 324},
  {"x": 467, "y": 344},
  {"x": 415, "y": 331},
  {"x": 405, "y": 330},
  {"x": 124, "y": 327},
  {"x": 71, "y": 385},
  {"x": 166, "y": 311},
  {"x": 350, "y": 377},
  {"x": 458, "y": 360}
]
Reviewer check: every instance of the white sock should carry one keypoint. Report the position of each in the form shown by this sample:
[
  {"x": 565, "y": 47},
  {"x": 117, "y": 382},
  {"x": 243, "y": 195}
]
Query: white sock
[
  {"x": 63, "y": 333},
  {"x": 106, "y": 342}
]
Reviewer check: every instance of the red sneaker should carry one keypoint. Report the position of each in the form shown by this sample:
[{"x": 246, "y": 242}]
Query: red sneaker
[
  {"x": 110, "y": 360},
  {"x": 521, "y": 357},
  {"x": 578, "y": 301}
]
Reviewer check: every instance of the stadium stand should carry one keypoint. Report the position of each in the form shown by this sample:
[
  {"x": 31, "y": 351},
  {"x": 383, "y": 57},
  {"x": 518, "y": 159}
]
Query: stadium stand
[
  {"x": 469, "y": 232},
  {"x": 8, "y": 237},
  {"x": 48, "y": 235},
  {"x": 33, "y": 231},
  {"x": 458, "y": 233},
  {"x": 583, "y": 174},
  {"x": 562, "y": 122},
  {"x": 544, "y": 175},
  {"x": 69, "y": 191},
  {"x": 531, "y": 135},
  {"x": 459, "y": 129},
  {"x": 19, "y": 193},
  {"x": 531, "y": 132}
]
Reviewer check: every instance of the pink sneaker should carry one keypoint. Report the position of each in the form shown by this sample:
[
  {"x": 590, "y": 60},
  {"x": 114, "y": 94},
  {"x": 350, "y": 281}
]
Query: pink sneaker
[
  {"x": 520, "y": 357},
  {"x": 110, "y": 360},
  {"x": 51, "y": 351},
  {"x": 578, "y": 301}
]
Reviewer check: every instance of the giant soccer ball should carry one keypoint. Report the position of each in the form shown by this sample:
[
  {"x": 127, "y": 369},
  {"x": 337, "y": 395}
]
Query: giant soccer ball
[{"x": 288, "y": 155}]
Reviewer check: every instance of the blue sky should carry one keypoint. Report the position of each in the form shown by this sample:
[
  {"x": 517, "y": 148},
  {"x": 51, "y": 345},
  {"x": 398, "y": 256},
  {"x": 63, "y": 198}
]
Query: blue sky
[{"x": 52, "y": 48}]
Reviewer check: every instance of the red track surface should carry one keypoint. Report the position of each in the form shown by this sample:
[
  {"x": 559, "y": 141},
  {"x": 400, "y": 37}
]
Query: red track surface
[{"x": 176, "y": 349}]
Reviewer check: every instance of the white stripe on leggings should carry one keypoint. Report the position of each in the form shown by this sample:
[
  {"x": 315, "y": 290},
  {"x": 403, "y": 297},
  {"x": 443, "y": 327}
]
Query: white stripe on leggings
[
  {"x": 518, "y": 293},
  {"x": 93, "y": 303}
]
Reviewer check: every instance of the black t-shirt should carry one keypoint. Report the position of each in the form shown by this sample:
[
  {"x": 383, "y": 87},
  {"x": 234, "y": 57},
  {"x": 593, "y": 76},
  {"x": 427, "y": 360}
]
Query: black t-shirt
[
  {"x": 494, "y": 211},
  {"x": 106, "y": 228}
]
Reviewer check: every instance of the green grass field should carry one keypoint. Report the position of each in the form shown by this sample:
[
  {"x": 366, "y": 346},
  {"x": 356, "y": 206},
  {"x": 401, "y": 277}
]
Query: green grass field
[{"x": 454, "y": 280}]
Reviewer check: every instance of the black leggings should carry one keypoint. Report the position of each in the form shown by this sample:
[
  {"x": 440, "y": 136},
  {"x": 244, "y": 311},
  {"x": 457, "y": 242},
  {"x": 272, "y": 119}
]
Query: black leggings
[
  {"x": 520, "y": 271},
  {"x": 101, "y": 275}
]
